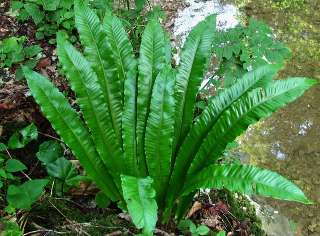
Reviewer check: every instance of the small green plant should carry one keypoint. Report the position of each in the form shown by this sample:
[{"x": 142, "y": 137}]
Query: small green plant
[
  {"x": 49, "y": 16},
  {"x": 137, "y": 136},
  {"x": 134, "y": 20},
  {"x": 9, "y": 228},
  {"x": 23, "y": 136},
  {"x": 187, "y": 226},
  {"x": 18, "y": 195},
  {"x": 245, "y": 48},
  {"x": 63, "y": 173},
  {"x": 22, "y": 196},
  {"x": 127, "y": 4},
  {"x": 13, "y": 52}
]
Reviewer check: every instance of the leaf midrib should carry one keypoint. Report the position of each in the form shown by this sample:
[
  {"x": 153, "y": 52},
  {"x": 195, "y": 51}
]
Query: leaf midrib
[
  {"x": 95, "y": 116},
  {"x": 113, "y": 118},
  {"x": 118, "y": 52},
  {"x": 241, "y": 180},
  {"x": 238, "y": 120}
]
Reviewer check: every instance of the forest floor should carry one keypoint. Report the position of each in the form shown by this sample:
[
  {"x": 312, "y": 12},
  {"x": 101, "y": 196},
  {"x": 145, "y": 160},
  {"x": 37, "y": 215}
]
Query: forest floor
[{"x": 75, "y": 213}]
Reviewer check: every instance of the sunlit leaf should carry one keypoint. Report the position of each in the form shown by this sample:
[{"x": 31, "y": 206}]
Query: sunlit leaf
[
  {"x": 140, "y": 198},
  {"x": 246, "y": 179}
]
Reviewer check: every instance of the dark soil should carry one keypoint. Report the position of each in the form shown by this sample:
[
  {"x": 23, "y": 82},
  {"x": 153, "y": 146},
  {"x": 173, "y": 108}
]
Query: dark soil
[{"x": 79, "y": 215}]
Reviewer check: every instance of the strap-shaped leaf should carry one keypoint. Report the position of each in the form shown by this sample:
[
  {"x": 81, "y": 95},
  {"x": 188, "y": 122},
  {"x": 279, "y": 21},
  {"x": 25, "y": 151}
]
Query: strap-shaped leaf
[
  {"x": 167, "y": 45},
  {"x": 194, "y": 60},
  {"x": 68, "y": 125},
  {"x": 121, "y": 48},
  {"x": 129, "y": 121},
  {"x": 85, "y": 84},
  {"x": 160, "y": 129},
  {"x": 140, "y": 198},
  {"x": 210, "y": 115},
  {"x": 257, "y": 104},
  {"x": 122, "y": 54},
  {"x": 98, "y": 54},
  {"x": 153, "y": 57},
  {"x": 246, "y": 179}
]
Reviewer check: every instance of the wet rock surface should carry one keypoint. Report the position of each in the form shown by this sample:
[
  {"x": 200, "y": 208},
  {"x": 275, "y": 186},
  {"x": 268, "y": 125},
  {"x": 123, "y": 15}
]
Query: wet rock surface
[{"x": 288, "y": 142}]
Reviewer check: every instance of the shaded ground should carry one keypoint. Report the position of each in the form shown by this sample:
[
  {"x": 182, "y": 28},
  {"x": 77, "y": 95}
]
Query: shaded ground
[{"x": 80, "y": 216}]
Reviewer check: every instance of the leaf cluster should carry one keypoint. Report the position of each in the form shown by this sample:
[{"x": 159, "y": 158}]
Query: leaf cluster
[
  {"x": 60, "y": 170},
  {"x": 18, "y": 195},
  {"x": 245, "y": 48},
  {"x": 14, "y": 52},
  {"x": 133, "y": 16},
  {"x": 48, "y": 15},
  {"x": 22, "y": 194},
  {"x": 187, "y": 226}
]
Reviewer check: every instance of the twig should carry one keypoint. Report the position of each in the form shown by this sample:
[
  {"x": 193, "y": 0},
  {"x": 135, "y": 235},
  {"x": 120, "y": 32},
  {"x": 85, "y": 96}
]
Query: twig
[
  {"x": 50, "y": 136},
  {"x": 226, "y": 219},
  {"x": 90, "y": 225},
  {"x": 68, "y": 220},
  {"x": 51, "y": 189},
  {"x": 59, "y": 211},
  {"x": 209, "y": 198},
  {"x": 23, "y": 220},
  {"x": 224, "y": 224},
  {"x": 68, "y": 200},
  {"x": 161, "y": 232},
  {"x": 43, "y": 231},
  {"x": 34, "y": 167},
  {"x": 22, "y": 172}
]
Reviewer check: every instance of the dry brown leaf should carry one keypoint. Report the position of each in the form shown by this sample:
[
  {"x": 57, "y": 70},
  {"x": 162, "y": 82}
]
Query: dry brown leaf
[
  {"x": 195, "y": 207},
  {"x": 44, "y": 72},
  {"x": 125, "y": 216},
  {"x": 5, "y": 106},
  {"x": 43, "y": 63},
  {"x": 116, "y": 233}
]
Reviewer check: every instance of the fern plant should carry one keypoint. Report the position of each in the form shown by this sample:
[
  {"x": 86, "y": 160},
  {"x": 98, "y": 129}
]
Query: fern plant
[
  {"x": 136, "y": 135},
  {"x": 244, "y": 48}
]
